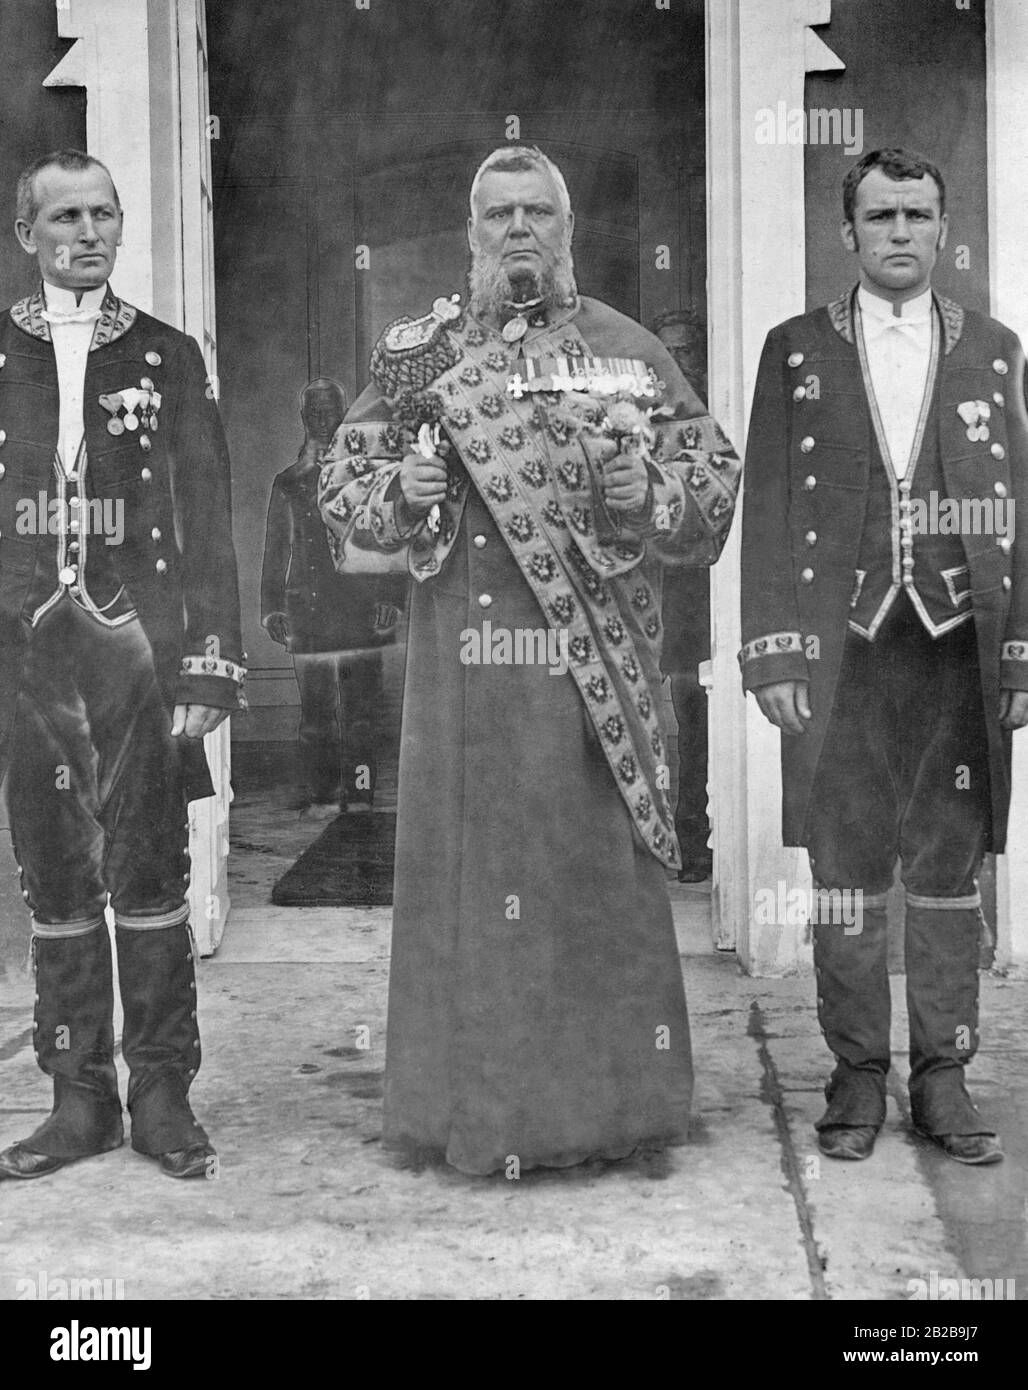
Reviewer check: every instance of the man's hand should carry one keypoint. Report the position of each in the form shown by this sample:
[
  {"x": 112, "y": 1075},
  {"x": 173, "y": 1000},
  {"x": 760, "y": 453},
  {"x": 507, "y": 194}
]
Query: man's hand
[
  {"x": 786, "y": 704},
  {"x": 277, "y": 628},
  {"x": 1013, "y": 708},
  {"x": 625, "y": 482},
  {"x": 422, "y": 482},
  {"x": 196, "y": 720}
]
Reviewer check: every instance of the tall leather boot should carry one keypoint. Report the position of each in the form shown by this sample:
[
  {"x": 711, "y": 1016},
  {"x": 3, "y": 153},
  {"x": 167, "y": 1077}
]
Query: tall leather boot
[
  {"x": 161, "y": 1045},
  {"x": 74, "y": 1042},
  {"x": 854, "y": 1010},
  {"x": 942, "y": 948}
]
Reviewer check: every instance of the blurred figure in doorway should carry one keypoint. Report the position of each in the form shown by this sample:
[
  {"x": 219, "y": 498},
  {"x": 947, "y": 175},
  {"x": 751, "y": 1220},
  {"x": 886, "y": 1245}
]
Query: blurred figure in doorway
[
  {"x": 686, "y": 615},
  {"x": 333, "y": 626}
]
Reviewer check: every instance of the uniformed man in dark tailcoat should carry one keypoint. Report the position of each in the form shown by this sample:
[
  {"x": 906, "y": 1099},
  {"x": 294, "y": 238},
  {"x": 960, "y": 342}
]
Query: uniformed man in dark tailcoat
[
  {"x": 885, "y": 632},
  {"x": 119, "y": 651},
  {"x": 333, "y": 625}
]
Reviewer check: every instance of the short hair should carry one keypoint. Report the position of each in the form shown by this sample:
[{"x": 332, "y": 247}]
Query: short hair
[
  {"x": 28, "y": 203},
  {"x": 520, "y": 159},
  {"x": 895, "y": 164}
]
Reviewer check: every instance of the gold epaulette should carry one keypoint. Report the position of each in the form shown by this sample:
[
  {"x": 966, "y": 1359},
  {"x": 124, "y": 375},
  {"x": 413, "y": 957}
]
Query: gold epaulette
[{"x": 412, "y": 353}]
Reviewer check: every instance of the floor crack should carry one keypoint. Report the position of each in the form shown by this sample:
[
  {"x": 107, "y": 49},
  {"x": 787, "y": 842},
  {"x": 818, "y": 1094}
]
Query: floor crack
[{"x": 773, "y": 1095}]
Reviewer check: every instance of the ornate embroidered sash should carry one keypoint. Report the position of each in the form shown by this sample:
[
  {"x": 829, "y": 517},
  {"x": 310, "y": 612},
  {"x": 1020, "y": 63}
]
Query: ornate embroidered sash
[
  {"x": 543, "y": 507},
  {"x": 527, "y": 460}
]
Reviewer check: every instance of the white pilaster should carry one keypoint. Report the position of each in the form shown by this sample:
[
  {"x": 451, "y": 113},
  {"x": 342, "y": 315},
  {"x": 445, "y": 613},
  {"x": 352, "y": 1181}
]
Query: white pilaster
[
  {"x": 110, "y": 60},
  {"x": 758, "y": 52}
]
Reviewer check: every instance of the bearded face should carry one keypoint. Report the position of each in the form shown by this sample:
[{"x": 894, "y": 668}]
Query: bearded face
[
  {"x": 493, "y": 287},
  {"x": 520, "y": 242}
]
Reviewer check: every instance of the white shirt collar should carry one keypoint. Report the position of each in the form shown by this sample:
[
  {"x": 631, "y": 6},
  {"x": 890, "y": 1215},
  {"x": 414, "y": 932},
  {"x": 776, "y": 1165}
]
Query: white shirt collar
[
  {"x": 64, "y": 300},
  {"x": 912, "y": 311}
]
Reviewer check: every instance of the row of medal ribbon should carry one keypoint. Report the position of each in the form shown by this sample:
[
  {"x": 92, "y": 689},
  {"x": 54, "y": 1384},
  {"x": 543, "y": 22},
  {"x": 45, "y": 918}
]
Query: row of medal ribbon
[{"x": 600, "y": 376}]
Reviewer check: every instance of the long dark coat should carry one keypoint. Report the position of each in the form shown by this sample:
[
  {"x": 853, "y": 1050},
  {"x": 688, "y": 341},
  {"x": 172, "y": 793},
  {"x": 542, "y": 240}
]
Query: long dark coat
[
  {"x": 806, "y": 473},
  {"x": 536, "y": 1008}
]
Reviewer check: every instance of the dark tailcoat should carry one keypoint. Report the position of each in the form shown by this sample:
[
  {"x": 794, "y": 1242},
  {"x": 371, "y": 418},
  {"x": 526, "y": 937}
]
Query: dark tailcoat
[
  {"x": 807, "y": 482},
  {"x": 176, "y": 559}
]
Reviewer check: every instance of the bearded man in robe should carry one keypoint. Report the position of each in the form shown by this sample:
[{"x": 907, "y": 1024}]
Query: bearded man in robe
[{"x": 540, "y": 459}]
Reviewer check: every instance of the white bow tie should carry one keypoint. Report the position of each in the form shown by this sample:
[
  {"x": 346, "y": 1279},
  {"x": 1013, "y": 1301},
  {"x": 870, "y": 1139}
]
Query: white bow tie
[
  {"x": 62, "y": 316},
  {"x": 912, "y": 327}
]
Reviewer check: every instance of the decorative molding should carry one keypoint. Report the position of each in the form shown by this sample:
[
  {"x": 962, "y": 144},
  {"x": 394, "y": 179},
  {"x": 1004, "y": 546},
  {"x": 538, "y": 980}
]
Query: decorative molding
[
  {"x": 110, "y": 60},
  {"x": 818, "y": 57}
]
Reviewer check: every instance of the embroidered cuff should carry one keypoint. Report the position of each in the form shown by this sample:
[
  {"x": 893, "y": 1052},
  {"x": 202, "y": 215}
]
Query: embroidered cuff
[
  {"x": 702, "y": 433},
  {"x": 380, "y": 513},
  {"x": 352, "y": 496},
  {"x": 378, "y": 438},
  {"x": 774, "y": 644},
  {"x": 211, "y": 666},
  {"x": 713, "y": 481},
  {"x": 680, "y": 532}
]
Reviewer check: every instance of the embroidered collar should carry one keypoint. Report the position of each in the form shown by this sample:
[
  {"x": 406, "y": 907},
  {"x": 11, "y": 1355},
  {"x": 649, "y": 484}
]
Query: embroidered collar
[
  {"x": 840, "y": 311},
  {"x": 116, "y": 318}
]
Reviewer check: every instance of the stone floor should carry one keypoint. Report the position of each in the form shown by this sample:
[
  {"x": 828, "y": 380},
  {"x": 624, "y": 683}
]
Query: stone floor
[{"x": 305, "y": 1205}]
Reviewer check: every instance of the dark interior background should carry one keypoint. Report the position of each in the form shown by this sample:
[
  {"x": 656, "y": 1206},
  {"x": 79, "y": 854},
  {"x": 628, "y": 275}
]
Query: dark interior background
[
  {"x": 33, "y": 119},
  {"x": 342, "y": 128},
  {"x": 917, "y": 70}
]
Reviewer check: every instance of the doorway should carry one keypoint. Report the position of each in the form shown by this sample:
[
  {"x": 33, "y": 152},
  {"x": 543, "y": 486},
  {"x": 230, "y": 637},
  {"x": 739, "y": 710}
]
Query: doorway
[{"x": 345, "y": 145}]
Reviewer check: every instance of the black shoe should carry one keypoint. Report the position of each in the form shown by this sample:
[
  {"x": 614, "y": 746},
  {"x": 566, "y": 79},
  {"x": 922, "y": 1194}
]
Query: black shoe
[
  {"x": 19, "y": 1162},
  {"x": 194, "y": 1162},
  {"x": 847, "y": 1141},
  {"x": 974, "y": 1149}
]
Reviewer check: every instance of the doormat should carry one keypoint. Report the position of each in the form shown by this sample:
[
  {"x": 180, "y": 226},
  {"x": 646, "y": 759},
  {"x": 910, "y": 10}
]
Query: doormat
[{"x": 350, "y": 864}]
